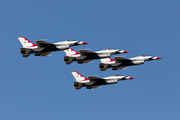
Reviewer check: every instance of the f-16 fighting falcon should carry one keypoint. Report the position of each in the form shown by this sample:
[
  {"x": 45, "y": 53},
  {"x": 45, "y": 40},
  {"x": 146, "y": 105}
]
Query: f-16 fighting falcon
[
  {"x": 42, "y": 48},
  {"x": 120, "y": 63},
  {"x": 95, "y": 82},
  {"x": 85, "y": 56}
]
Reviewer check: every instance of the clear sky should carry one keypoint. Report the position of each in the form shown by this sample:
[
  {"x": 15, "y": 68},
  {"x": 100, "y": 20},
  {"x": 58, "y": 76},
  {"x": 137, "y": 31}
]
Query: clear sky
[{"x": 41, "y": 88}]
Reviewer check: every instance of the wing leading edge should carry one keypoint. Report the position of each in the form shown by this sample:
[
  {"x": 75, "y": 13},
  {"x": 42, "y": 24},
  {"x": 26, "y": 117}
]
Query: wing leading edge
[
  {"x": 41, "y": 43},
  {"x": 85, "y": 52}
]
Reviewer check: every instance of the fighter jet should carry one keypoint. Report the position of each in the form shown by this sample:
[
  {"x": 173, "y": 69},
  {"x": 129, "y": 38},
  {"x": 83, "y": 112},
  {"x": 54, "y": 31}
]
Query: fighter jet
[
  {"x": 42, "y": 48},
  {"x": 95, "y": 82},
  {"x": 85, "y": 56},
  {"x": 120, "y": 63}
]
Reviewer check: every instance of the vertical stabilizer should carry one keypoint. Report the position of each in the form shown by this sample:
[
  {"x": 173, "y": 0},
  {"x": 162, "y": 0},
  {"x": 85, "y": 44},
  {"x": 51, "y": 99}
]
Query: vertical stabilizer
[
  {"x": 107, "y": 60},
  {"x": 79, "y": 77},
  {"x": 26, "y": 43},
  {"x": 71, "y": 52}
]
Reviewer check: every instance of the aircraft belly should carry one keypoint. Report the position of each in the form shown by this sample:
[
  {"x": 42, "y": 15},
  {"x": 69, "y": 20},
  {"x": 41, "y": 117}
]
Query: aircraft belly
[
  {"x": 100, "y": 83},
  {"x": 92, "y": 57},
  {"x": 38, "y": 49},
  {"x": 62, "y": 47},
  {"x": 129, "y": 63},
  {"x": 90, "y": 83},
  {"x": 80, "y": 58}
]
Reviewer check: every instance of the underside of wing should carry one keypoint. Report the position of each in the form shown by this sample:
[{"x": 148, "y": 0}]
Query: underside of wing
[
  {"x": 85, "y": 52},
  {"x": 95, "y": 86},
  {"x": 86, "y": 61},
  {"x": 96, "y": 79},
  {"x": 120, "y": 68},
  {"x": 41, "y": 43},
  {"x": 120, "y": 59},
  {"x": 45, "y": 53}
]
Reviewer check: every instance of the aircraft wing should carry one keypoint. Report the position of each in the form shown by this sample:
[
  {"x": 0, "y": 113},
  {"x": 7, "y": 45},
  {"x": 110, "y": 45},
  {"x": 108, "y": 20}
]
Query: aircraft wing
[
  {"x": 86, "y": 52},
  {"x": 45, "y": 53},
  {"x": 96, "y": 86},
  {"x": 86, "y": 61},
  {"x": 121, "y": 59},
  {"x": 120, "y": 68},
  {"x": 41, "y": 43},
  {"x": 95, "y": 79}
]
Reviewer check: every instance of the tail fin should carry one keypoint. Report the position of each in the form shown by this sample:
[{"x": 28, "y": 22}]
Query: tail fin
[
  {"x": 26, "y": 43},
  {"x": 79, "y": 77},
  {"x": 107, "y": 60},
  {"x": 71, "y": 52}
]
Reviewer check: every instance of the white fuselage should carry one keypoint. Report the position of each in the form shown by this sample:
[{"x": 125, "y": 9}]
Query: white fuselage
[{"x": 109, "y": 80}]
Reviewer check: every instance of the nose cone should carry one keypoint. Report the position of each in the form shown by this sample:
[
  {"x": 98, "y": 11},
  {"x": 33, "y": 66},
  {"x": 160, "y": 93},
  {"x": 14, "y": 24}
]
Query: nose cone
[
  {"x": 158, "y": 58},
  {"x": 121, "y": 51},
  {"x": 126, "y": 51},
  {"x": 131, "y": 78},
  {"x": 84, "y": 43}
]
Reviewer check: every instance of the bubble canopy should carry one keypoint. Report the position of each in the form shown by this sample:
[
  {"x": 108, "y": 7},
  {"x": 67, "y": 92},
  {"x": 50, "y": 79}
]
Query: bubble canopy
[
  {"x": 118, "y": 75},
  {"x": 144, "y": 55},
  {"x": 111, "y": 49},
  {"x": 70, "y": 40}
]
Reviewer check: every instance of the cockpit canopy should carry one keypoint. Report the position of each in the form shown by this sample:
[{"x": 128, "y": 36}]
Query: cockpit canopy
[
  {"x": 70, "y": 40},
  {"x": 111, "y": 49},
  {"x": 117, "y": 75},
  {"x": 144, "y": 55}
]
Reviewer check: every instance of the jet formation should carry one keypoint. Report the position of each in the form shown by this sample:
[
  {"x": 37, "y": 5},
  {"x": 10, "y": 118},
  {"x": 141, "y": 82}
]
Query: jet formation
[{"x": 42, "y": 48}]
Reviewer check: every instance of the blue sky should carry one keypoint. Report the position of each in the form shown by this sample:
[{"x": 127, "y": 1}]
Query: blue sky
[{"x": 36, "y": 88}]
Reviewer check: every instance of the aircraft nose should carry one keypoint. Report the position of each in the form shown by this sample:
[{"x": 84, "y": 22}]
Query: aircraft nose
[
  {"x": 131, "y": 78},
  {"x": 84, "y": 43},
  {"x": 126, "y": 51},
  {"x": 121, "y": 51},
  {"x": 158, "y": 58}
]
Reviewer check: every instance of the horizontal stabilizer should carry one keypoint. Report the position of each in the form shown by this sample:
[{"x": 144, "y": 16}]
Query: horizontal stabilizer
[
  {"x": 68, "y": 59},
  {"x": 78, "y": 85},
  {"x": 26, "y": 52}
]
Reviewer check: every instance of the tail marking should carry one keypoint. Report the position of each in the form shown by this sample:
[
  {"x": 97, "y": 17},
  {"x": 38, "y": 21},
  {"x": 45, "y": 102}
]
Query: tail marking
[
  {"x": 79, "y": 77},
  {"x": 26, "y": 43},
  {"x": 107, "y": 60},
  {"x": 71, "y": 52}
]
